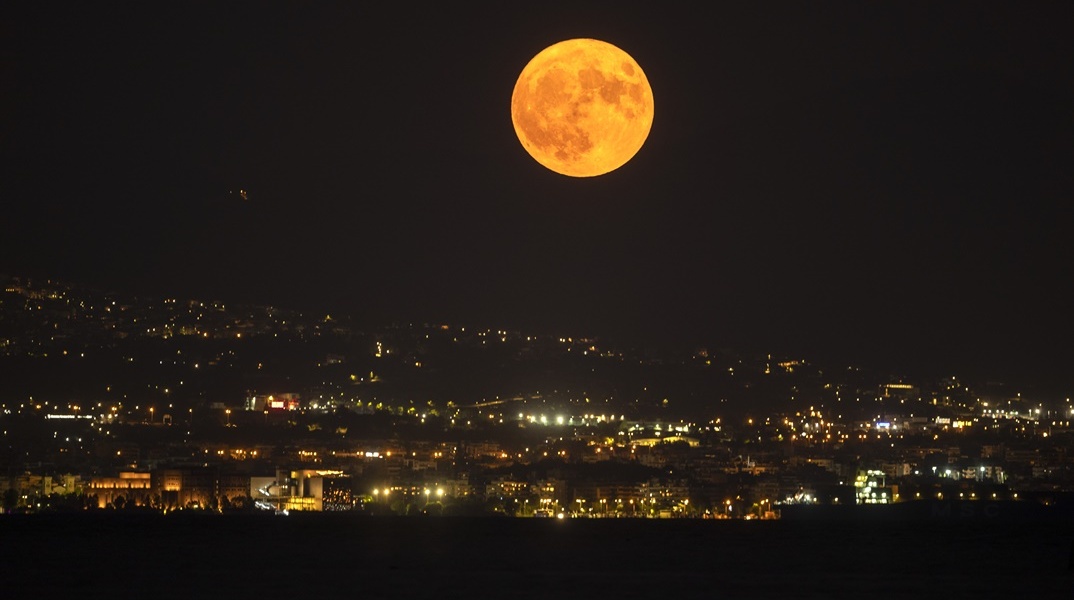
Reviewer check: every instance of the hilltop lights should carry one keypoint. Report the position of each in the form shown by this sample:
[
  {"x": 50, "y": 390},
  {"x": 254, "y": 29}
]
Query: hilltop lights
[{"x": 920, "y": 446}]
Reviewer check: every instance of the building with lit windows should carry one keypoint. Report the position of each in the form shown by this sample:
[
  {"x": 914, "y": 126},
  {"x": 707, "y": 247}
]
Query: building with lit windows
[
  {"x": 870, "y": 487},
  {"x": 261, "y": 402},
  {"x": 303, "y": 490}
]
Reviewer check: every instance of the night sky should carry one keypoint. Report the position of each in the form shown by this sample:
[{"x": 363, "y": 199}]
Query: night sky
[{"x": 887, "y": 183}]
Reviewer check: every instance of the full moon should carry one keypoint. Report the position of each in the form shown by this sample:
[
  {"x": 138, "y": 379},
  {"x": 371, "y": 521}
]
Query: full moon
[{"x": 582, "y": 107}]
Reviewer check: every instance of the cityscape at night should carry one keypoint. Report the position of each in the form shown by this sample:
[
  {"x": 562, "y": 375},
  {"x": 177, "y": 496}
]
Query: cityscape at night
[
  {"x": 578, "y": 299},
  {"x": 116, "y": 402},
  {"x": 130, "y": 408}
]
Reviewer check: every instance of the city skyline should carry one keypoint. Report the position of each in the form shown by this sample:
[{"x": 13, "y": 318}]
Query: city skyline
[
  {"x": 165, "y": 405},
  {"x": 881, "y": 182},
  {"x": 158, "y": 406}
]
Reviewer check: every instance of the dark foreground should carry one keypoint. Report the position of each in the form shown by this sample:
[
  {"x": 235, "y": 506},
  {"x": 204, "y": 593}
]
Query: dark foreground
[{"x": 334, "y": 556}]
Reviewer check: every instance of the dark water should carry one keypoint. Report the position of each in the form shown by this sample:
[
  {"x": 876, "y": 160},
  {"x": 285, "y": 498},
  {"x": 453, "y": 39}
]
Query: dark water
[{"x": 329, "y": 556}]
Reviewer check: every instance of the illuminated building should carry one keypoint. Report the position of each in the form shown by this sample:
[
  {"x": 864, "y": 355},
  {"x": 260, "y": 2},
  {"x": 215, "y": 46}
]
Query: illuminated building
[
  {"x": 639, "y": 433},
  {"x": 303, "y": 490},
  {"x": 29, "y": 485},
  {"x": 900, "y": 391},
  {"x": 133, "y": 487},
  {"x": 870, "y": 488},
  {"x": 259, "y": 402},
  {"x": 197, "y": 487}
]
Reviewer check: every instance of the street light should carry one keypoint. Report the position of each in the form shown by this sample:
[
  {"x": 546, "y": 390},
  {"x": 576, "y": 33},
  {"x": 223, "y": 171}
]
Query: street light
[{"x": 228, "y": 413}]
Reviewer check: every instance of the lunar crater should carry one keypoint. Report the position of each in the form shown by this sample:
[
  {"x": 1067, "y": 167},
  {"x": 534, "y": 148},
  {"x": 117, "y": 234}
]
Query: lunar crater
[{"x": 582, "y": 108}]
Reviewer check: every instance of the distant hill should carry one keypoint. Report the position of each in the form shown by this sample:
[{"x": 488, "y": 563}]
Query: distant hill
[{"x": 60, "y": 343}]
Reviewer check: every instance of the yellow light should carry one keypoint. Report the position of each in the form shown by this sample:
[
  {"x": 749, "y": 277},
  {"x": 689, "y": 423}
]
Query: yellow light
[{"x": 582, "y": 108}]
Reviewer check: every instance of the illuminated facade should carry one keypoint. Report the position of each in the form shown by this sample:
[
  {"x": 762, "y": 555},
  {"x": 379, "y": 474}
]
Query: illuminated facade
[
  {"x": 870, "y": 488},
  {"x": 128, "y": 486},
  {"x": 197, "y": 487},
  {"x": 303, "y": 490},
  {"x": 260, "y": 402},
  {"x": 28, "y": 485}
]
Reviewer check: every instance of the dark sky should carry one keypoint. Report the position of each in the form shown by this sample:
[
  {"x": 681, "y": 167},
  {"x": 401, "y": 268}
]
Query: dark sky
[{"x": 887, "y": 183}]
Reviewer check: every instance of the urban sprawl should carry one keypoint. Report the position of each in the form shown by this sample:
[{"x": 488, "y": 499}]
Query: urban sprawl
[{"x": 115, "y": 403}]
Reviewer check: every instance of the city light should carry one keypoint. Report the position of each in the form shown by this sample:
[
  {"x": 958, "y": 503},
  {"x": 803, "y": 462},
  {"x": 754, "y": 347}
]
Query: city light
[{"x": 905, "y": 442}]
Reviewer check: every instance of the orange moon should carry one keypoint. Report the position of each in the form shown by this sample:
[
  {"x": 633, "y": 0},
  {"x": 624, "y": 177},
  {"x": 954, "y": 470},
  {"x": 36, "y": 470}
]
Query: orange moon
[{"x": 582, "y": 107}]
